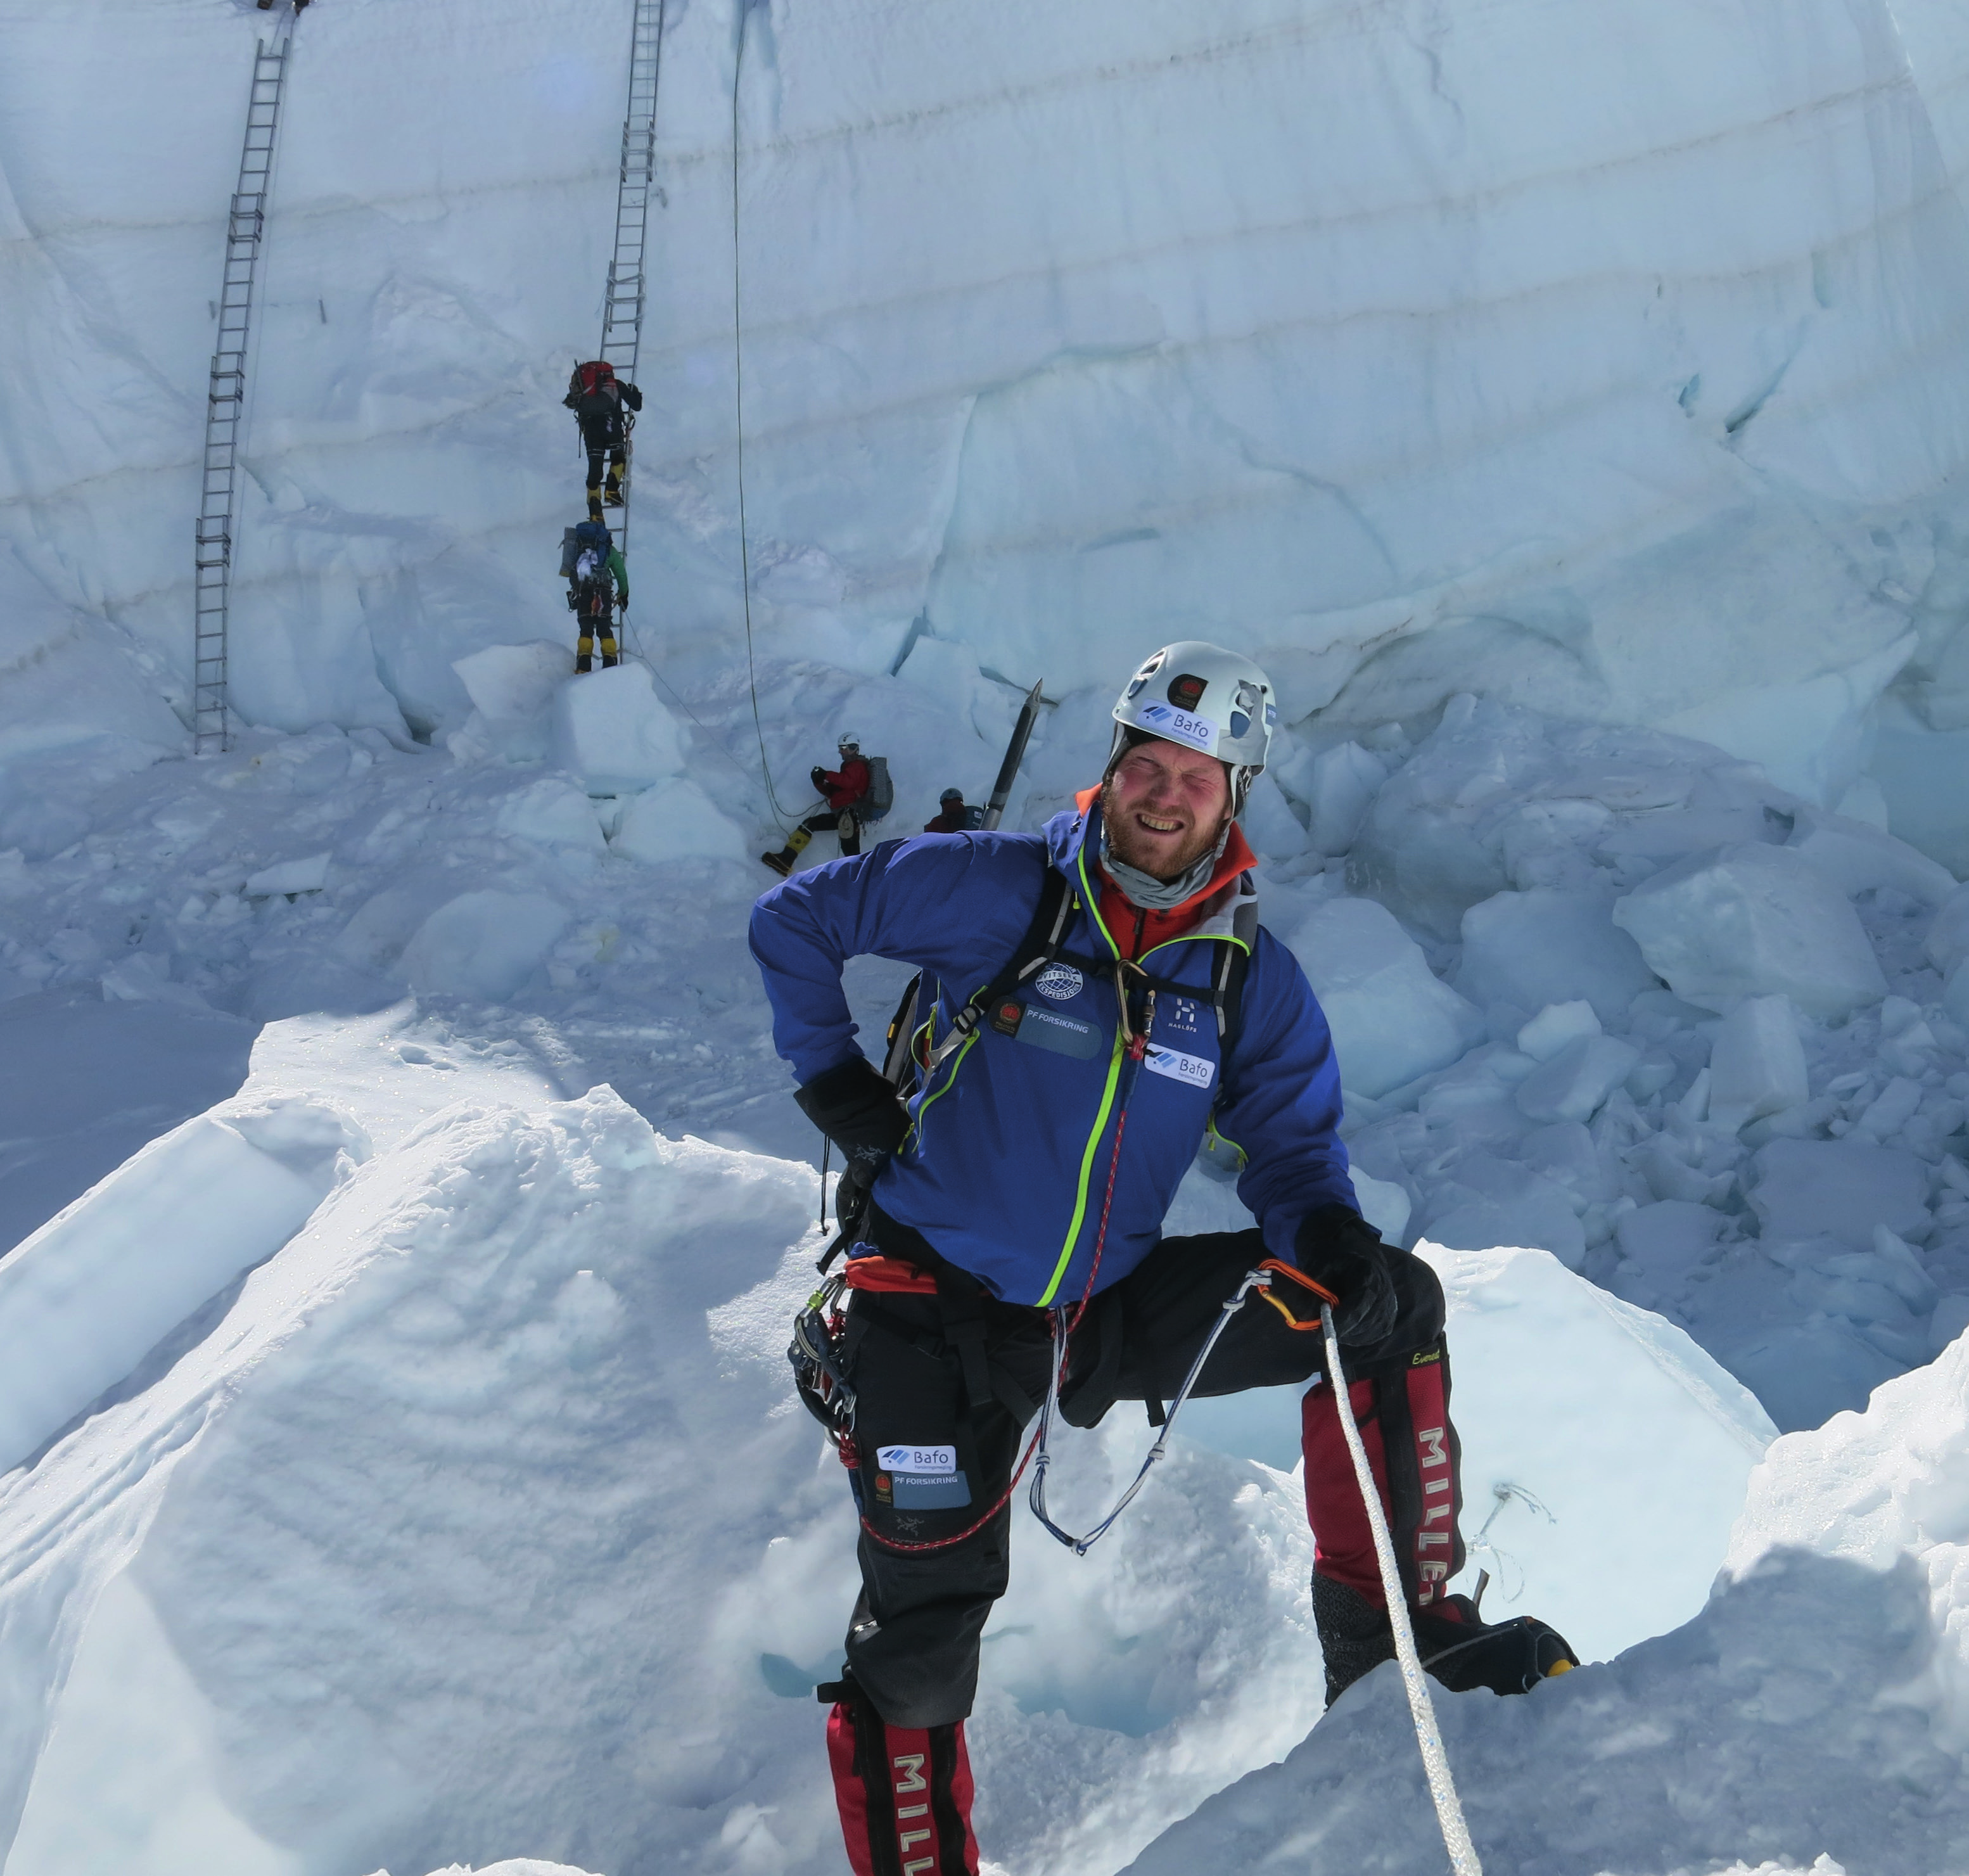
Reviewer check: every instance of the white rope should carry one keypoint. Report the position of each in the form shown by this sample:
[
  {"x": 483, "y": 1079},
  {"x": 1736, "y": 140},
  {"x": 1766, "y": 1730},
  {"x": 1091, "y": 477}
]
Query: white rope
[{"x": 1428, "y": 1737}]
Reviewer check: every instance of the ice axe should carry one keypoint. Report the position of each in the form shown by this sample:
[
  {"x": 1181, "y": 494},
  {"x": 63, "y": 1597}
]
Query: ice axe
[{"x": 1015, "y": 754}]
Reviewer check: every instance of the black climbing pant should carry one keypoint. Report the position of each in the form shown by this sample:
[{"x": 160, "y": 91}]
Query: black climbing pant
[
  {"x": 946, "y": 1384},
  {"x": 839, "y": 820}
]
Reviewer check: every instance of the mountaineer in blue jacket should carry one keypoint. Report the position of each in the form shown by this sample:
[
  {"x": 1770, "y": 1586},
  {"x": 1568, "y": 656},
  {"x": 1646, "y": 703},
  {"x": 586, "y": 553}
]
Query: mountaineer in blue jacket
[{"x": 1095, "y": 1003}]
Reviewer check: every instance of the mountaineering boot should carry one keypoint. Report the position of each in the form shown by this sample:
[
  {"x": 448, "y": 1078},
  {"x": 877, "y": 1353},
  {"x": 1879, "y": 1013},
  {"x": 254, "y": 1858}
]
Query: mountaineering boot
[
  {"x": 782, "y": 862},
  {"x": 609, "y": 661},
  {"x": 1457, "y": 1646},
  {"x": 904, "y": 1791},
  {"x": 583, "y": 662},
  {"x": 612, "y": 494},
  {"x": 595, "y": 501},
  {"x": 1462, "y": 1651}
]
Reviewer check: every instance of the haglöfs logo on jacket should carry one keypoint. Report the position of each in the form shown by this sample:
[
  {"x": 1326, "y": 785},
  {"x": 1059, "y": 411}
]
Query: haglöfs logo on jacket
[{"x": 1059, "y": 981}]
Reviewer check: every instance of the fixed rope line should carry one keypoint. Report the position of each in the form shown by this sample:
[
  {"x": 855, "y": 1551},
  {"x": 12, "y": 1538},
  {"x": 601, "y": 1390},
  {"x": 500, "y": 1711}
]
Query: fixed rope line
[
  {"x": 225, "y": 399},
  {"x": 738, "y": 407},
  {"x": 1463, "y": 1858},
  {"x": 715, "y": 742}
]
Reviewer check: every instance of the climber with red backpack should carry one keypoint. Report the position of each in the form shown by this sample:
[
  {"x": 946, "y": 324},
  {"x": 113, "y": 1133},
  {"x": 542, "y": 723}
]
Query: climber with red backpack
[{"x": 604, "y": 407}]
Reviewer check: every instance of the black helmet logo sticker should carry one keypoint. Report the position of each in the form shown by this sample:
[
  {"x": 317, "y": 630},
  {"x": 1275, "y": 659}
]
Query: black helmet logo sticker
[{"x": 1186, "y": 692}]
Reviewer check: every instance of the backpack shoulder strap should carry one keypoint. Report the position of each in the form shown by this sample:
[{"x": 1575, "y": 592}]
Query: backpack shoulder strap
[
  {"x": 1227, "y": 983},
  {"x": 899, "y": 1066},
  {"x": 1035, "y": 949}
]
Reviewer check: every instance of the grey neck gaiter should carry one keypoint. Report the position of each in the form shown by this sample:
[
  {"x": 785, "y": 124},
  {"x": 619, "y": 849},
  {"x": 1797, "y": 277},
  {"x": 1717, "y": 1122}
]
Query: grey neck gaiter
[{"x": 1151, "y": 894}]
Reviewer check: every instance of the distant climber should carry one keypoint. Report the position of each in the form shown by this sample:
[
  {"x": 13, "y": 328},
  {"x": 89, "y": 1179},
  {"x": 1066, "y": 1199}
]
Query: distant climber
[
  {"x": 952, "y": 816},
  {"x": 604, "y": 407},
  {"x": 597, "y": 583},
  {"x": 844, "y": 789}
]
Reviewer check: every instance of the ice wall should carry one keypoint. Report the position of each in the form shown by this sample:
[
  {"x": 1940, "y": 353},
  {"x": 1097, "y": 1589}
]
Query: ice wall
[{"x": 1607, "y": 361}]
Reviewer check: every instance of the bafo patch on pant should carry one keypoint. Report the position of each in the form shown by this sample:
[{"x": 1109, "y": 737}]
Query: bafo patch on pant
[{"x": 920, "y": 1478}]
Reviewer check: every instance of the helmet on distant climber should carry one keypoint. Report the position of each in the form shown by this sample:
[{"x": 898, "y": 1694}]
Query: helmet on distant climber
[
  {"x": 1200, "y": 697},
  {"x": 951, "y": 794},
  {"x": 848, "y": 740}
]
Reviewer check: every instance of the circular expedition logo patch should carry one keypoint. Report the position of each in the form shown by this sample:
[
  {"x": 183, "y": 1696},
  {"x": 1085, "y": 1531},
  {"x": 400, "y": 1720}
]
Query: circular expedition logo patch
[{"x": 1059, "y": 981}]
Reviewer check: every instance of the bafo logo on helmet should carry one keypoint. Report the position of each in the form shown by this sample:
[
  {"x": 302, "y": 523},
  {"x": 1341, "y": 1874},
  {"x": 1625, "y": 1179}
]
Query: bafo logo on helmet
[{"x": 1179, "y": 726}]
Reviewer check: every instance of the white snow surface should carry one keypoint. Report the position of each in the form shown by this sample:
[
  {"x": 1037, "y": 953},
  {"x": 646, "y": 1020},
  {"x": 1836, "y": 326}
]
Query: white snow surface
[
  {"x": 1722, "y": 1735},
  {"x": 509, "y": 1410},
  {"x": 1568, "y": 406}
]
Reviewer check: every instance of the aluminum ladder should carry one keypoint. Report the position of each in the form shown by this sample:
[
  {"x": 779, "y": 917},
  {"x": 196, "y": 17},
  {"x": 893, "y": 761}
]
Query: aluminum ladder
[
  {"x": 622, "y": 311},
  {"x": 226, "y": 403}
]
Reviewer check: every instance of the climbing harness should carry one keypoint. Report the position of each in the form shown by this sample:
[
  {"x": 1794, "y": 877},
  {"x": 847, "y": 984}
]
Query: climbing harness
[
  {"x": 814, "y": 1356},
  {"x": 1463, "y": 1858},
  {"x": 826, "y": 1391}
]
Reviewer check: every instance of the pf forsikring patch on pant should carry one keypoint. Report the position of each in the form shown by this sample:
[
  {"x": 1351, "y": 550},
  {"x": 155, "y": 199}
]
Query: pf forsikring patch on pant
[{"x": 923, "y": 1491}]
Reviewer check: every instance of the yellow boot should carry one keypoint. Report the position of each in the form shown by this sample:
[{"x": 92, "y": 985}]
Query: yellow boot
[{"x": 782, "y": 862}]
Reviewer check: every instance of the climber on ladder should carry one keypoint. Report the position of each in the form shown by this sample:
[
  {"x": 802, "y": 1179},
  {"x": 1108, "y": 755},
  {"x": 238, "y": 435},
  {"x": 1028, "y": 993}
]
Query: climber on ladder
[
  {"x": 598, "y": 580},
  {"x": 604, "y": 407}
]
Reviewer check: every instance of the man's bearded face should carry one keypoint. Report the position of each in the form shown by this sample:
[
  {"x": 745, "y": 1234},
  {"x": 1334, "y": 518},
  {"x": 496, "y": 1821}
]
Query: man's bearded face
[{"x": 1163, "y": 807}]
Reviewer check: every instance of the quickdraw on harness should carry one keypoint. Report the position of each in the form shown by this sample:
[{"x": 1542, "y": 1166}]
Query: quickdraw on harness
[
  {"x": 1261, "y": 1281},
  {"x": 827, "y": 1394}
]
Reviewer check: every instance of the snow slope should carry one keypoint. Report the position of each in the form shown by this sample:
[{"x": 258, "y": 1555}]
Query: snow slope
[
  {"x": 1814, "y": 1710},
  {"x": 481, "y": 1516}
]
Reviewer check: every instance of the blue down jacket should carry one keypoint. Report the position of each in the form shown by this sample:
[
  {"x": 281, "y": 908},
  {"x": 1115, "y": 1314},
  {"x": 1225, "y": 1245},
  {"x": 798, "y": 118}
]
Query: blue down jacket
[{"x": 1008, "y": 1163}]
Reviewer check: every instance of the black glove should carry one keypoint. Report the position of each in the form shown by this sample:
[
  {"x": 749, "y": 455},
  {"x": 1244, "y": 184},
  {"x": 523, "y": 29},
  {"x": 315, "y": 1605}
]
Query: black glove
[
  {"x": 856, "y": 1106},
  {"x": 1341, "y": 1251},
  {"x": 819, "y": 777}
]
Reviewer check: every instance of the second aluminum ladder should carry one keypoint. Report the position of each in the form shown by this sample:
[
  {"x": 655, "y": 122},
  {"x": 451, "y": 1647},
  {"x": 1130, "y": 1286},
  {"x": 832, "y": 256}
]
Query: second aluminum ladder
[
  {"x": 226, "y": 397},
  {"x": 622, "y": 313}
]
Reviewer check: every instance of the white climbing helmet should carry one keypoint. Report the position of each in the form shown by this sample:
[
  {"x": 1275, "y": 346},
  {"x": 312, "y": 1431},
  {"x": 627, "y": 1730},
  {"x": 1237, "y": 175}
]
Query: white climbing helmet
[
  {"x": 1200, "y": 697},
  {"x": 848, "y": 740}
]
